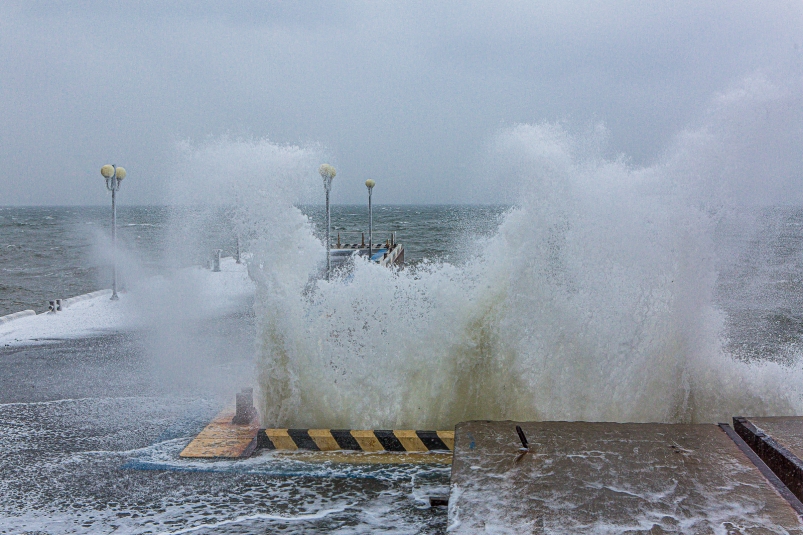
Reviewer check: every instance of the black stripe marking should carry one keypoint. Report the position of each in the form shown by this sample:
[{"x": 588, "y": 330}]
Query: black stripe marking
[
  {"x": 388, "y": 440},
  {"x": 263, "y": 441},
  {"x": 345, "y": 440},
  {"x": 302, "y": 439},
  {"x": 431, "y": 440}
]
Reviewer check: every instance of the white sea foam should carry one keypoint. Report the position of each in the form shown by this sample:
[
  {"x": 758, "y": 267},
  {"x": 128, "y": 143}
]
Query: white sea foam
[{"x": 260, "y": 516}]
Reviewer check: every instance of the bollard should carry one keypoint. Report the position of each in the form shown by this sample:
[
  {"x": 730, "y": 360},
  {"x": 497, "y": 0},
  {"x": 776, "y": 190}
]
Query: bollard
[
  {"x": 246, "y": 412},
  {"x": 58, "y": 305},
  {"x": 216, "y": 259},
  {"x": 51, "y": 309}
]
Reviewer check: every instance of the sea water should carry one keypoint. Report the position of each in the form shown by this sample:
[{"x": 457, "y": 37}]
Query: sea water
[
  {"x": 51, "y": 252},
  {"x": 59, "y": 252}
]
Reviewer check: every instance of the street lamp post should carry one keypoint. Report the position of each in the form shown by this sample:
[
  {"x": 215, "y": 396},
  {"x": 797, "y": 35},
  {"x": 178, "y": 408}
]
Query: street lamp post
[
  {"x": 370, "y": 185},
  {"x": 113, "y": 175},
  {"x": 327, "y": 173}
]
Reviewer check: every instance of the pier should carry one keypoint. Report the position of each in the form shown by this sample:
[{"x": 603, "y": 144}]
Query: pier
[{"x": 387, "y": 254}]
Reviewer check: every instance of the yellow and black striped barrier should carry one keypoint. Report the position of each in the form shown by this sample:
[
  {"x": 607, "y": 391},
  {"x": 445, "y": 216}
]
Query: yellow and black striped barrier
[
  {"x": 355, "y": 440},
  {"x": 235, "y": 434}
]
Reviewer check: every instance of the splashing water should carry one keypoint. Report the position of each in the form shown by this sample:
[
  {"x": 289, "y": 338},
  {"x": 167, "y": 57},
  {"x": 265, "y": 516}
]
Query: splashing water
[{"x": 593, "y": 301}]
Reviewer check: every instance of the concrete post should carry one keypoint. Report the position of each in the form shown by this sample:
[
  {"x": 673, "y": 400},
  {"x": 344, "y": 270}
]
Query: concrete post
[{"x": 246, "y": 412}]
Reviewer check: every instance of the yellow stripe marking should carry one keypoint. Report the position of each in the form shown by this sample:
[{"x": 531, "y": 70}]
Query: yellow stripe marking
[
  {"x": 447, "y": 437},
  {"x": 367, "y": 440},
  {"x": 323, "y": 439},
  {"x": 361, "y": 457},
  {"x": 410, "y": 440},
  {"x": 281, "y": 439}
]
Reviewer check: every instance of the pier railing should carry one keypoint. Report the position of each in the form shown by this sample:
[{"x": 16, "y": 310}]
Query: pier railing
[{"x": 359, "y": 240}]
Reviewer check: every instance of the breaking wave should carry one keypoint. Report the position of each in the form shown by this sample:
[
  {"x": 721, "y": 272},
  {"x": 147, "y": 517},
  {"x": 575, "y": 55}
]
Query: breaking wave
[{"x": 592, "y": 301}]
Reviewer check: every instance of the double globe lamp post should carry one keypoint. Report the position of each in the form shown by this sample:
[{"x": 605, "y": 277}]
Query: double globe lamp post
[
  {"x": 113, "y": 175},
  {"x": 328, "y": 173}
]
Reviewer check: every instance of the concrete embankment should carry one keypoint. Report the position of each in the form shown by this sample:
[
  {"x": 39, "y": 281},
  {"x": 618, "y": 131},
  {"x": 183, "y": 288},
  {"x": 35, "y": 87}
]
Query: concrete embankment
[
  {"x": 578, "y": 477},
  {"x": 64, "y": 303},
  {"x": 79, "y": 316},
  {"x": 11, "y": 317},
  {"x": 83, "y": 297}
]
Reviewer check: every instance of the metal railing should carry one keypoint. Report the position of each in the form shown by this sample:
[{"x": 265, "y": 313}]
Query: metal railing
[{"x": 358, "y": 240}]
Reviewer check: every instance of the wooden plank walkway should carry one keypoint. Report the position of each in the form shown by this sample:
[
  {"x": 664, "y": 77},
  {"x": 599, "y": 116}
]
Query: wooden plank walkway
[{"x": 222, "y": 439}]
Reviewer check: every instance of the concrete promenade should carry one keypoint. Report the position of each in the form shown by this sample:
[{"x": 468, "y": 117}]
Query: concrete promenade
[{"x": 609, "y": 478}]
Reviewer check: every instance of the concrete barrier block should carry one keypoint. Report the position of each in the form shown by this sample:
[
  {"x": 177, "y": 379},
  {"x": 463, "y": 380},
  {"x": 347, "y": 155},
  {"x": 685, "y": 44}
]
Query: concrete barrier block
[{"x": 11, "y": 317}]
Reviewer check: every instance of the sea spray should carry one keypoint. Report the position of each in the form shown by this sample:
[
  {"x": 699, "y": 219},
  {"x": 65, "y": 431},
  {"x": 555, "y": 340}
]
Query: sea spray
[
  {"x": 592, "y": 301},
  {"x": 221, "y": 189}
]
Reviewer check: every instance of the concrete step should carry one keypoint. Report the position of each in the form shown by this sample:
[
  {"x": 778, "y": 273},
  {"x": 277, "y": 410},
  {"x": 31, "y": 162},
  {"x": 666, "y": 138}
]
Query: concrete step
[{"x": 778, "y": 441}]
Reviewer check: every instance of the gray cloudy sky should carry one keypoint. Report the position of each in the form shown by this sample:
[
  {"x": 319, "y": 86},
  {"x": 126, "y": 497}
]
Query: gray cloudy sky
[{"x": 409, "y": 93}]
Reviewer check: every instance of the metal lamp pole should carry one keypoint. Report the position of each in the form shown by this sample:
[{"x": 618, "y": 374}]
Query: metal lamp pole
[
  {"x": 370, "y": 185},
  {"x": 113, "y": 175},
  {"x": 327, "y": 173}
]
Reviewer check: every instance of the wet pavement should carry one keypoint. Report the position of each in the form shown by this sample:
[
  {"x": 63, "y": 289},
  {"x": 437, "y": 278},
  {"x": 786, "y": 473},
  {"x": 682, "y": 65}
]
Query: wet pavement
[
  {"x": 579, "y": 477},
  {"x": 91, "y": 429}
]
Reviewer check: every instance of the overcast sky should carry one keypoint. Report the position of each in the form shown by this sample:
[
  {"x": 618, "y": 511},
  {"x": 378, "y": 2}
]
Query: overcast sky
[{"x": 408, "y": 93}]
